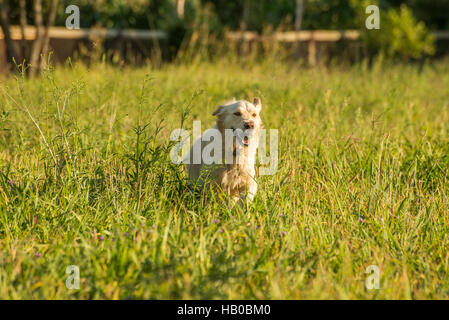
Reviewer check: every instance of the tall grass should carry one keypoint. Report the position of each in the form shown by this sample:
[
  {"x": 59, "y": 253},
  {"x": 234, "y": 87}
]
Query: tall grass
[{"x": 86, "y": 180}]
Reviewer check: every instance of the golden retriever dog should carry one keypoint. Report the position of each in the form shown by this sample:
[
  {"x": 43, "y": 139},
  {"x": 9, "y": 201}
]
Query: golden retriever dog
[{"x": 232, "y": 149}]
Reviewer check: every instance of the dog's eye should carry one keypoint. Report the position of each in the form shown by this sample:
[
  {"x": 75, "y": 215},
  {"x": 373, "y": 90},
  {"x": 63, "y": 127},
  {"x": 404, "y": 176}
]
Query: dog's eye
[
  {"x": 254, "y": 115},
  {"x": 237, "y": 113}
]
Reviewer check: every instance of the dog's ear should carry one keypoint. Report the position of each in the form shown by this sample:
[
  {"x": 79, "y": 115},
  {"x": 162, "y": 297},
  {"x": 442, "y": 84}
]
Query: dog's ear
[
  {"x": 217, "y": 111},
  {"x": 257, "y": 103}
]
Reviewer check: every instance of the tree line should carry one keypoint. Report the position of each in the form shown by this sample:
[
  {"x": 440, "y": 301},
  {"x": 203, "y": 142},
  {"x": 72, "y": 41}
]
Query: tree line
[{"x": 179, "y": 17}]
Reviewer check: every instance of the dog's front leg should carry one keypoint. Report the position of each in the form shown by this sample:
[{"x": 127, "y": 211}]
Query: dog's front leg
[
  {"x": 245, "y": 198},
  {"x": 251, "y": 191}
]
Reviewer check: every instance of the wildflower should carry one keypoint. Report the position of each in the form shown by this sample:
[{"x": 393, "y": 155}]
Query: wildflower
[
  {"x": 10, "y": 182},
  {"x": 221, "y": 230},
  {"x": 126, "y": 234},
  {"x": 38, "y": 254},
  {"x": 216, "y": 221},
  {"x": 101, "y": 237},
  {"x": 283, "y": 233},
  {"x": 281, "y": 215},
  {"x": 307, "y": 229}
]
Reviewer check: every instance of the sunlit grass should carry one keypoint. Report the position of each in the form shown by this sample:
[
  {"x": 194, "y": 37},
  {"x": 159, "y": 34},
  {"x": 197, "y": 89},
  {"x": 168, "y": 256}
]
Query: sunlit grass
[{"x": 362, "y": 180}]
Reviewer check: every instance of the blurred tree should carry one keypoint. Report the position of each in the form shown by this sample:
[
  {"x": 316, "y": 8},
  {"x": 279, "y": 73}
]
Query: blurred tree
[
  {"x": 23, "y": 24},
  {"x": 4, "y": 23},
  {"x": 298, "y": 24},
  {"x": 40, "y": 44},
  {"x": 180, "y": 8},
  {"x": 298, "y": 14}
]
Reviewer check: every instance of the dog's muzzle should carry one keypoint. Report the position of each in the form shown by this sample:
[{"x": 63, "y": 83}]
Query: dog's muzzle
[{"x": 243, "y": 136}]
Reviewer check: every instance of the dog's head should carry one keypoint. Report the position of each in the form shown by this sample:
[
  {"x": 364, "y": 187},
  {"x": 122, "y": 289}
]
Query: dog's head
[{"x": 242, "y": 115}]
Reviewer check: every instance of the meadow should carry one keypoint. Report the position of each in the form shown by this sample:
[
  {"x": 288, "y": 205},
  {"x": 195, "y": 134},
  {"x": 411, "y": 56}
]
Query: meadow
[{"x": 86, "y": 180}]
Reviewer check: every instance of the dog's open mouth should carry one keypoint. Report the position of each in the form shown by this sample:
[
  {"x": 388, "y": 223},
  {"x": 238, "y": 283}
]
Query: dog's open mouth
[{"x": 240, "y": 134}]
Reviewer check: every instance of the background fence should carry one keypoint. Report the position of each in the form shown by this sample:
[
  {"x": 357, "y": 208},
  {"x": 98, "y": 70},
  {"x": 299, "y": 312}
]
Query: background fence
[{"x": 141, "y": 45}]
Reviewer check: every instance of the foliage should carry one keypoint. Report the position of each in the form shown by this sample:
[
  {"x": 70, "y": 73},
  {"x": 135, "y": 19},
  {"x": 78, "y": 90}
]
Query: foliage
[
  {"x": 403, "y": 33},
  {"x": 400, "y": 35},
  {"x": 318, "y": 14},
  {"x": 433, "y": 13}
]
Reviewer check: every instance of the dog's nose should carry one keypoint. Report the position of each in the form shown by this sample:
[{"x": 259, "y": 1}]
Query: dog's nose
[{"x": 249, "y": 125}]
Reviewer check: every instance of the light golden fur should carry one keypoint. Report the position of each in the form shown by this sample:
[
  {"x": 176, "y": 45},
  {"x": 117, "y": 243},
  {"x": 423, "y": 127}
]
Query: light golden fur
[{"x": 237, "y": 178}]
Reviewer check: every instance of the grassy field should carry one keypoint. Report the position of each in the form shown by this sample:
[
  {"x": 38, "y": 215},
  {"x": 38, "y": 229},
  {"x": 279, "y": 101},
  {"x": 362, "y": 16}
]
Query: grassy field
[{"x": 86, "y": 180}]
